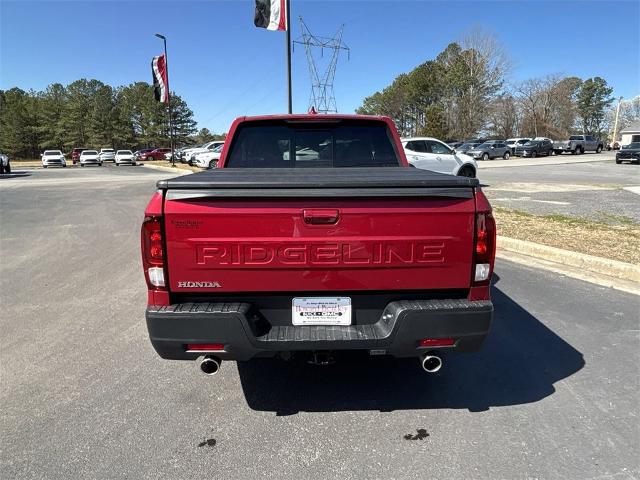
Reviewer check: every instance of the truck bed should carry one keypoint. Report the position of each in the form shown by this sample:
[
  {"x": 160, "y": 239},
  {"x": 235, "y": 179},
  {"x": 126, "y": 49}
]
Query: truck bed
[{"x": 326, "y": 182}]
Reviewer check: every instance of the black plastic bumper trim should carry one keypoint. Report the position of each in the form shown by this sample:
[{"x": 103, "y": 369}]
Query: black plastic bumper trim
[{"x": 245, "y": 334}]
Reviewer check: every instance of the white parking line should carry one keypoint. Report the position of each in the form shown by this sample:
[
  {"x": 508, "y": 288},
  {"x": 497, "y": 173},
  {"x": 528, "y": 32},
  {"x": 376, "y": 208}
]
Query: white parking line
[
  {"x": 635, "y": 189},
  {"x": 546, "y": 187},
  {"x": 49, "y": 182},
  {"x": 528, "y": 199}
]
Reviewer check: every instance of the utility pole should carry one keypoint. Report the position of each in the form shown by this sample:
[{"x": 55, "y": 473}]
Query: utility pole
[
  {"x": 615, "y": 124},
  {"x": 288, "y": 40},
  {"x": 166, "y": 63}
]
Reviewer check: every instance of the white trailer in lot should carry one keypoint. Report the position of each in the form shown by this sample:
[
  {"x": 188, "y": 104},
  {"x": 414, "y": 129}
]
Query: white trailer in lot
[{"x": 630, "y": 134}]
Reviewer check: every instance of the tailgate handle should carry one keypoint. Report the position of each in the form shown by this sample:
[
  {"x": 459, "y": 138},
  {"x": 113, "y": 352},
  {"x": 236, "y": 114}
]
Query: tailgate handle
[{"x": 326, "y": 216}]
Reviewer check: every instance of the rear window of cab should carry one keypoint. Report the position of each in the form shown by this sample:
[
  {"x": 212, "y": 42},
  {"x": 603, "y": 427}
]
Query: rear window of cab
[{"x": 331, "y": 144}]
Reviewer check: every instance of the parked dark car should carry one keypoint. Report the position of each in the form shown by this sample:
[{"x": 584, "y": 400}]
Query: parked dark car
[
  {"x": 465, "y": 147},
  {"x": 75, "y": 154},
  {"x": 629, "y": 153},
  {"x": 535, "y": 148},
  {"x": 157, "y": 154}
]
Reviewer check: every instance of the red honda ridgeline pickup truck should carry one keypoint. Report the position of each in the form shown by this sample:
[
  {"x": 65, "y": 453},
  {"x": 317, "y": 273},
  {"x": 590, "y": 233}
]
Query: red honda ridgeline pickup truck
[{"x": 313, "y": 236}]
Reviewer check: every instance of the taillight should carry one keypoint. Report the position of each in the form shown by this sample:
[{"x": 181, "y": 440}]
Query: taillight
[
  {"x": 485, "y": 248},
  {"x": 153, "y": 252},
  {"x": 205, "y": 347}
]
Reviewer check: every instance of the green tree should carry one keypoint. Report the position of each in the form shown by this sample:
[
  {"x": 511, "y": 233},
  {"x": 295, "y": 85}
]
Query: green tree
[
  {"x": 13, "y": 122},
  {"x": 593, "y": 98},
  {"x": 183, "y": 123},
  {"x": 78, "y": 121},
  {"x": 51, "y": 114},
  {"x": 435, "y": 123},
  {"x": 20, "y": 127},
  {"x": 204, "y": 135}
]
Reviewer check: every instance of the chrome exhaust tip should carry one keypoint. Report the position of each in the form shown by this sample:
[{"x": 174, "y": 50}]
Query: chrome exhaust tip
[
  {"x": 210, "y": 365},
  {"x": 431, "y": 363}
]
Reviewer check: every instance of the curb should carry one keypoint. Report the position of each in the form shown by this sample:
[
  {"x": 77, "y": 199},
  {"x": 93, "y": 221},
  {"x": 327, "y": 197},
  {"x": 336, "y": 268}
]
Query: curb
[
  {"x": 167, "y": 169},
  {"x": 598, "y": 265}
]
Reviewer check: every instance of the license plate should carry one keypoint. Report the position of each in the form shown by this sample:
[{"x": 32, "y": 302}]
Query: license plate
[{"x": 321, "y": 311}]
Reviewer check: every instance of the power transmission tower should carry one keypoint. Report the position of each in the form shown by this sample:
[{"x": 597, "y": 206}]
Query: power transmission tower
[{"x": 322, "y": 96}]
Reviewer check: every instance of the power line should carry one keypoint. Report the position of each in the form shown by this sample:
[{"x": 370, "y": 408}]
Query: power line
[{"x": 322, "y": 96}]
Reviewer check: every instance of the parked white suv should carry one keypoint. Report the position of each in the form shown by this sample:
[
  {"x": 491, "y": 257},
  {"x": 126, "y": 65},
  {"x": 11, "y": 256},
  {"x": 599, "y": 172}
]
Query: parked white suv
[
  {"x": 191, "y": 153},
  {"x": 208, "y": 159},
  {"x": 514, "y": 143},
  {"x": 90, "y": 157},
  {"x": 124, "y": 156},
  {"x": 53, "y": 157},
  {"x": 107, "y": 154},
  {"x": 432, "y": 154}
]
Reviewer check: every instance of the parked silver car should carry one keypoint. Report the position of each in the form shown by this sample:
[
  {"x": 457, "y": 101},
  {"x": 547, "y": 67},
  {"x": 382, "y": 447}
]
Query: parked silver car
[{"x": 491, "y": 149}]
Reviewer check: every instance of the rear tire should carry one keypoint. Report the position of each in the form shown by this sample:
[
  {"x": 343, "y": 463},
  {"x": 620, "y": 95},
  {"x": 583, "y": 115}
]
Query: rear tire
[
  {"x": 599, "y": 149},
  {"x": 506, "y": 155},
  {"x": 467, "y": 172},
  {"x": 618, "y": 162},
  {"x": 485, "y": 156},
  {"x": 534, "y": 154}
]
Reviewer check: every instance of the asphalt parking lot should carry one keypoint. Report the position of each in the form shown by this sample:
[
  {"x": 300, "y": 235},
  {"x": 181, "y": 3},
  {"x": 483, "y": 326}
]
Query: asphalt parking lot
[
  {"x": 553, "y": 393},
  {"x": 595, "y": 190}
]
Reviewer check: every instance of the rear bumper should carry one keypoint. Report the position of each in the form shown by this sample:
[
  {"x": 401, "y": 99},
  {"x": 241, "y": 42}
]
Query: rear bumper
[{"x": 245, "y": 334}]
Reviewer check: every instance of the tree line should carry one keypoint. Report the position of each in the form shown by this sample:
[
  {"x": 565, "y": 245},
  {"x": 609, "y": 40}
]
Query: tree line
[
  {"x": 89, "y": 113},
  {"x": 463, "y": 93}
]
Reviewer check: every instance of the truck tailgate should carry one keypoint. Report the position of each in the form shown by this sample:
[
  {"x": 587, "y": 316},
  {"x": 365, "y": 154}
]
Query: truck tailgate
[
  {"x": 338, "y": 237},
  {"x": 256, "y": 235}
]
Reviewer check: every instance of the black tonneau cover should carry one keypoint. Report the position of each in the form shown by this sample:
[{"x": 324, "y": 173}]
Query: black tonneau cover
[{"x": 311, "y": 182}]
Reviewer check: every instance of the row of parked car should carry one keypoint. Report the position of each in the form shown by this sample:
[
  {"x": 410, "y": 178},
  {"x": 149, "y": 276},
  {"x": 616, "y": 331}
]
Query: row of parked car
[
  {"x": 459, "y": 158},
  {"x": 528, "y": 147},
  {"x": 203, "y": 156},
  {"x": 83, "y": 157}
]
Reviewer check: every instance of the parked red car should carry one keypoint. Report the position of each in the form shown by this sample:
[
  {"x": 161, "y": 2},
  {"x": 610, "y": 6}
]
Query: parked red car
[
  {"x": 75, "y": 154},
  {"x": 157, "y": 154}
]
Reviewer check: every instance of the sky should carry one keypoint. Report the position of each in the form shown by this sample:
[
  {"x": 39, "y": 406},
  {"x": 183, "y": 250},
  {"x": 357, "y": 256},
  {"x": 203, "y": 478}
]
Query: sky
[{"x": 225, "y": 67}]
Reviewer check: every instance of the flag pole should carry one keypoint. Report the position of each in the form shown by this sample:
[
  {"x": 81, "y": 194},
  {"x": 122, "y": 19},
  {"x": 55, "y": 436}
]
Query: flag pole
[
  {"x": 166, "y": 66},
  {"x": 288, "y": 40}
]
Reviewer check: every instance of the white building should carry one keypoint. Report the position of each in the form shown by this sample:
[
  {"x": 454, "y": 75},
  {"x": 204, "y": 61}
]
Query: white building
[{"x": 630, "y": 134}]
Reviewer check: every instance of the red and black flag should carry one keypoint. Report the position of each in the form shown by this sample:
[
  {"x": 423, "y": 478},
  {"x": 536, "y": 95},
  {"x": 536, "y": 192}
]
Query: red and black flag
[
  {"x": 160, "y": 81},
  {"x": 271, "y": 14}
]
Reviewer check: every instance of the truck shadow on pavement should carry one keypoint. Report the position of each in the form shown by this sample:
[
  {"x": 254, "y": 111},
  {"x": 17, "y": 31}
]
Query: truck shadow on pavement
[
  {"x": 16, "y": 174},
  {"x": 519, "y": 363}
]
